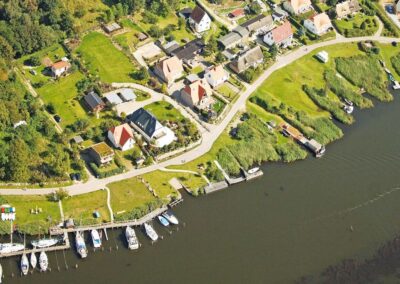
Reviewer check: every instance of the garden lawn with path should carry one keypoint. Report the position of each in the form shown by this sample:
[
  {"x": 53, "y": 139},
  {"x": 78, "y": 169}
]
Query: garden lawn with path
[{"x": 358, "y": 25}]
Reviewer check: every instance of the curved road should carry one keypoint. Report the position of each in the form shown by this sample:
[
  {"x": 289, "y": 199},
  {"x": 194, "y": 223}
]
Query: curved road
[{"x": 209, "y": 137}]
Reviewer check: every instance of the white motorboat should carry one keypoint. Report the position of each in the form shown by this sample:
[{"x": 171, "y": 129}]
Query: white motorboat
[
  {"x": 1, "y": 273},
  {"x": 131, "y": 238},
  {"x": 253, "y": 170},
  {"x": 95, "y": 238},
  {"x": 163, "y": 220},
  {"x": 24, "y": 264},
  {"x": 348, "y": 109},
  {"x": 151, "y": 233},
  {"x": 43, "y": 261},
  {"x": 11, "y": 247},
  {"x": 80, "y": 245},
  {"x": 171, "y": 217},
  {"x": 44, "y": 243},
  {"x": 33, "y": 260}
]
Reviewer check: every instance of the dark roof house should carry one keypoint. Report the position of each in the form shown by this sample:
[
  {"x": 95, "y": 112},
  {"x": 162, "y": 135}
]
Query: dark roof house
[
  {"x": 250, "y": 58},
  {"x": 197, "y": 14},
  {"x": 94, "y": 102},
  {"x": 189, "y": 50},
  {"x": 145, "y": 120},
  {"x": 258, "y": 23},
  {"x": 185, "y": 13}
]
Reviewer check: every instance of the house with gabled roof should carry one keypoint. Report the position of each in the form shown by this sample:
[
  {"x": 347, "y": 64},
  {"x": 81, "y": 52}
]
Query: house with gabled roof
[
  {"x": 60, "y": 68},
  {"x": 281, "y": 36},
  {"x": 297, "y": 7},
  {"x": 93, "y": 102},
  {"x": 197, "y": 94},
  {"x": 101, "y": 153},
  {"x": 169, "y": 69},
  {"x": 147, "y": 125},
  {"x": 259, "y": 24},
  {"x": 250, "y": 58},
  {"x": 199, "y": 20},
  {"x": 318, "y": 24},
  {"x": 347, "y": 8},
  {"x": 216, "y": 76},
  {"x": 121, "y": 137}
]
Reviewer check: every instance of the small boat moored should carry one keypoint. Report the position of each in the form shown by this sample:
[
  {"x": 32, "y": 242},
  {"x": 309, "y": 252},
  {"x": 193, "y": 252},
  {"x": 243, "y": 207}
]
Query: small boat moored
[
  {"x": 131, "y": 238},
  {"x": 1, "y": 273},
  {"x": 43, "y": 261},
  {"x": 253, "y": 170},
  {"x": 33, "y": 260},
  {"x": 348, "y": 109},
  {"x": 163, "y": 220},
  {"x": 44, "y": 243},
  {"x": 11, "y": 247},
  {"x": 170, "y": 217},
  {"x": 80, "y": 245},
  {"x": 24, "y": 264},
  {"x": 95, "y": 238},
  {"x": 150, "y": 232}
]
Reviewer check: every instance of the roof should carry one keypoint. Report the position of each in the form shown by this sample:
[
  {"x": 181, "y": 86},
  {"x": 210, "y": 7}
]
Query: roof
[
  {"x": 258, "y": 22},
  {"x": 112, "y": 27},
  {"x": 320, "y": 20},
  {"x": 141, "y": 36},
  {"x": 78, "y": 139},
  {"x": 126, "y": 94},
  {"x": 229, "y": 39},
  {"x": 170, "y": 67},
  {"x": 122, "y": 133},
  {"x": 169, "y": 47},
  {"x": 93, "y": 100},
  {"x": 189, "y": 50},
  {"x": 186, "y": 12},
  {"x": 192, "y": 78},
  {"x": 243, "y": 32},
  {"x": 198, "y": 89},
  {"x": 296, "y": 4},
  {"x": 145, "y": 120},
  {"x": 197, "y": 14},
  {"x": 346, "y": 8},
  {"x": 61, "y": 64},
  {"x": 237, "y": 12},
  {"x": 102, "y": 149},
  {"x": 113, "y": 98},
  {"x": 282, "y": 32},
  {"x": 216, "y": 72},
  {"x": 247, "y": 59}
]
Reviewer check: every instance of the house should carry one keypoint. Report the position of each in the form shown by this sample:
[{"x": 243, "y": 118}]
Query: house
[
  {"x": 189, "y": 51},
  {"x": 169, "y": 69},
  {"x": 347, "y": 8},
  {"x": 141, "y": 36},
  {"x": 259, "y": 25},
  {"x": 197, "y": 94},
  {"x": 126, "y": 94},
  {"x": 101, "y": 153},
  {"x": 150, "y": 128},
  {"x": 170, "y": 47},
  {"x": 112, "y": 27},
  {"x": 121, "y": 137},
  {"x": 185, "y": 13},
  {"x": 279, "y": 14},
  {"x": 297, "y": 7},
  {"x": 281, "y": 36},
  {"x": 235, "y": 37},
  {"x": 216, "y": 76},
  {"x": 199, "y": 20},
  {"x": 60, "y": 68},
  {"x": 318, "y": 24},
  {"x": 113, "y": 99},
  {"x": 77, "y": 139},
  {"x": 94, "y": 102},
  {"x": 250, "y": 58},
  {"x": 237, "y": 13}
]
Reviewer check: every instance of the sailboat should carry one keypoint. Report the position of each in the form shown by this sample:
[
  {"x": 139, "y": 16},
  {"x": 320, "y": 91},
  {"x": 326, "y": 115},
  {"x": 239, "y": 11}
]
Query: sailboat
[
  {"x": 24, "y": 264},
  {"x": 151, "y": 233},
  {"x": 96, "y": 238},
  {"x": 44, "y": 243},
  {"x": 131, "y": 238},
  {"x": 33, "y": 260},
  {"x": 11, "y": 247},
  {"x": 80, "y": 245},
  {"x": 43, "y": 261}
]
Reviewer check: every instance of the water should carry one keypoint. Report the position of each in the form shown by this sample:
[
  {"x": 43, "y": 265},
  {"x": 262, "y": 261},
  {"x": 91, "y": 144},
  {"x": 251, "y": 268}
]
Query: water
[{"x": 295, "y": 221}]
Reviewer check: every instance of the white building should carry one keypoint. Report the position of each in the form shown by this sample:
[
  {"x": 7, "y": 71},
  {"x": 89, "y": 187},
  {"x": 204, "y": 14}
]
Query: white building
[
  {"x": 297, "y": 7},
  {"x": 216, "y": 76},
  {"x": 282, "y": 36},
  {"x": 318, "y": 24},
  {"x": 199, "y": 20},
  {"x": 121, "y": 137}
]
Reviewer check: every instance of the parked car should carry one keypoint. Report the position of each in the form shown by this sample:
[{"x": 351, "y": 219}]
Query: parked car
[{"x": 394, "y": 43}]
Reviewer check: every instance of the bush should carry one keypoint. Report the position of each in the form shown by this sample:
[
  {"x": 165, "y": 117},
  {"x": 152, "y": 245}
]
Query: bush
[{"x": 103, "y": 174}]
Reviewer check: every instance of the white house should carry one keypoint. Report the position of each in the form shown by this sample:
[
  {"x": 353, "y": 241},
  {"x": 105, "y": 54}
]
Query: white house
[
  {"x": 297, "y": 6},
  {"x": 121, "y": 137},
  {"x": 151, "y": 129},
  {"x": 60, "y": 68},
  {"x": 282, "y": 36},
  {"x": 197, "y": 94},
  {"x": 216, "y": 76},
  {"x": 199, "y": 20},
  {"x": 318, "y": 24}
]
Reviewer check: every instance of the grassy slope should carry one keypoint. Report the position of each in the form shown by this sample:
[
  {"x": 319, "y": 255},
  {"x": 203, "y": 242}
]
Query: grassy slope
[{"x": 102, "y": 58}]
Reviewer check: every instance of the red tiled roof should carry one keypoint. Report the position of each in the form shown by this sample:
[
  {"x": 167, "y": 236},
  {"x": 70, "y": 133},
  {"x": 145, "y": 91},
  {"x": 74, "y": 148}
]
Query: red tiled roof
[
  {"x": 60, "y": 64},
  {"x": 236, "y": 13},
  {"x": 282, "y": 32},
  {"x": 124, "y": 132}
]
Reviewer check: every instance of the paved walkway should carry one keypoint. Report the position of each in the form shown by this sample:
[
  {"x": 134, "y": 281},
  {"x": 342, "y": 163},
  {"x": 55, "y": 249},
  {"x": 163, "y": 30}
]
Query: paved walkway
[
  {"x": 208, "y": 137},
  {"x": 217, "y": 18},
  {"x": 109, "y": 204}
]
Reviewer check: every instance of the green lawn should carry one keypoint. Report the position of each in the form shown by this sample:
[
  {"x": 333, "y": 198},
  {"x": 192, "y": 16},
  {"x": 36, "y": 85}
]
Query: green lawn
[
  {"x": 34, "y": 223},
  {"x": 128, "y": 40},
  {"x": 103, "y": 59},
  {"x": 81, "y": 207},
  {"x": 129, "y": 194},
  {"x": 226, "y": 91},
  {"x": 354, "y": 26},
  {"x": 164, "y": 111}
]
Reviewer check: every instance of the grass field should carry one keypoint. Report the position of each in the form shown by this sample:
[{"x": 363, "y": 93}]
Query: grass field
[
  {"x": 227, "y": 91},
  {"x": 34, "y": 223},
  {"x": 103, "y": 59},
  {"x": 129, "y": 194},
  {"x": 164, "y": 111},
  {"x": 128, "y": 40},
  {"x": 81, "y": 207}
]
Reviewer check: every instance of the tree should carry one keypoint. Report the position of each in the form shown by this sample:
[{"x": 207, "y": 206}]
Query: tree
[
  {"x": 33, "y": 61},
  {"x": 18, "y": 164},
  {"x": 273, "y": 50}
]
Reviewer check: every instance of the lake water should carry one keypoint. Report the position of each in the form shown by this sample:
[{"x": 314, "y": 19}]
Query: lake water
[{"x": 292, "y": 222}]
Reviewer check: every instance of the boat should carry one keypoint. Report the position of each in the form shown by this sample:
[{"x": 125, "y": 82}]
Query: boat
[
  {"x": 348, "y": 109},
  {"x": 33, "y": 260},
  {"x": 43, "y": 261},
  {"x": 171, "y": 217},
  {"x": 253, "y": 170},
  {"x": 1, "y": 273},
  {"x": 80, "y": 245},
  {"x": 163, "y": 221},
  {"x": 24, "y": 264},
  {"x": 321, "y": 152},
  {"x": 44, "y": 243},
  {"x": 131, "y": 238},
  {"x": 11, "y": 247},
  {"x": 151, "y": 233},
  {"x": 96, "y": 238},
  {"x": 348, "y": 102}
]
